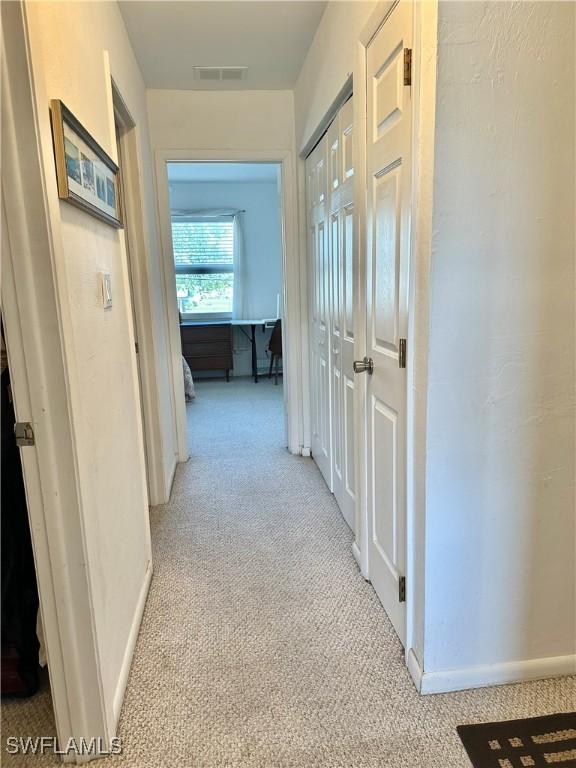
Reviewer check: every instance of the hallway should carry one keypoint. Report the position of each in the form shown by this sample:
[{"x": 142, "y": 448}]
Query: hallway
[{"x": 261, "y": 644}]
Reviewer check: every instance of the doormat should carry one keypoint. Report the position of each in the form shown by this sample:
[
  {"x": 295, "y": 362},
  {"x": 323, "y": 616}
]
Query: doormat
[{"x": 533, "y": 742}]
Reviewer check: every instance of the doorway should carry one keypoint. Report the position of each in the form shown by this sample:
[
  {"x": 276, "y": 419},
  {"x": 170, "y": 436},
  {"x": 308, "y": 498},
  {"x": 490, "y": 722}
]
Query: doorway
[
  {"x": 280, "y": 301},
  {"x": 25, "y": 678},
  {"x": 226, "y": 240}
]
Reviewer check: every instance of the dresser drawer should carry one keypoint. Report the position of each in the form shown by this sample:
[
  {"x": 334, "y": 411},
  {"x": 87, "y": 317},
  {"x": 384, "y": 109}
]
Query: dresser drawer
[
  {"x": 208, "y": 347},
  {"x": 205, "y": 348},
  {"x": 206, "y": 332},
  {"x": 211, "y": 363}
]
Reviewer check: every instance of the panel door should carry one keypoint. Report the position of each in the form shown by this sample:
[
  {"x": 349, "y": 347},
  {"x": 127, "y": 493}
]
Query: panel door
[
  {"x": 340, "y": 190},
  {"x": 319, "y": 311},
  {"x": 389, "y": 117}
]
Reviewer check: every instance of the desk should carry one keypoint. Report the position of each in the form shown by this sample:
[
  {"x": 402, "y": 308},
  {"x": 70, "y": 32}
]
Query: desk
[
  {"x": 266, "y": 322},
  {"x": 207, "y": 344}
]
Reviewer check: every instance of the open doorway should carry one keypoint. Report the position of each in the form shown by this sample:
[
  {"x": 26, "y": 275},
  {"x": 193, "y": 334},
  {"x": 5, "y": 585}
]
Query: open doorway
[
  {"x": 24, "y": 662},
  {"x": 226, "y": 235}
]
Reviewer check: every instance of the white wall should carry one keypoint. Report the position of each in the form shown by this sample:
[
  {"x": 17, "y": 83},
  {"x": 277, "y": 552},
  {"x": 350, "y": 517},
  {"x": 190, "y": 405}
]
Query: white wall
[
  {"x": 328, "y": 64},
  {"x": 68, "y": 43},
  {"x": 493, "y": 567},
  {"x": 500, "y": 534},
  {"x": 256, "y": 120},
  {"x": 262, "y": 248},
  {"x": 241, "y": 126}
]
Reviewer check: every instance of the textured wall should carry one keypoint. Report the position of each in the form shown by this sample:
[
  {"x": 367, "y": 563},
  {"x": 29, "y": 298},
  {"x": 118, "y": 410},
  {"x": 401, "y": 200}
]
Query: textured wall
[
  {"x": 500, "y": 470},
  {"x": 68, "y": 44}
]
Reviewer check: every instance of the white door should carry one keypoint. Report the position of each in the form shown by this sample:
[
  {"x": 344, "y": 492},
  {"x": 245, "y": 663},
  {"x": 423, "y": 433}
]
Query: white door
[
  {"x": 319, "y": 311},
  {"x": 389, "y": 117},
  {"x": 340, "y": 194}
]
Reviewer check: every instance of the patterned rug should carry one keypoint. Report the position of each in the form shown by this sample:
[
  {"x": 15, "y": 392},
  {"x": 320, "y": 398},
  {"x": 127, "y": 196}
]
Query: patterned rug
[{"x": 535, "y": 741}]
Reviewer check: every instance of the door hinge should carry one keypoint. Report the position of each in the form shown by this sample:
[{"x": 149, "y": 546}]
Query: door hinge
[
  {"x": 407, "y": 66},
  {"x": 136, "y": 347},
  {"x": 402, "y": 589},
  {"x": 402, "y": 353},
  {"x": 24, "y": 434}
]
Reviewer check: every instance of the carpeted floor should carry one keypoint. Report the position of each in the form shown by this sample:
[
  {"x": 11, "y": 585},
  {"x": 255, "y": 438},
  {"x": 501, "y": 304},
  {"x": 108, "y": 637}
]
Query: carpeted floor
[{"x": 261, "y": 645}]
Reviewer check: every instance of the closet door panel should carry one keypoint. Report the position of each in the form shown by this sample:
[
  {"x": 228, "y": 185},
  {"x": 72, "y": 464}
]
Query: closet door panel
[
  {"x": 345, "y": 415},
  {"x": 320, "y": 310},
  {"x": 330, "y": 171}
]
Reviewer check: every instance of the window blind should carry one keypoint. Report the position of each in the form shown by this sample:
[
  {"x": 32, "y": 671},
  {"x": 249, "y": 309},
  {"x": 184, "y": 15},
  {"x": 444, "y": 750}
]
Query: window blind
[{"x": 200, "y": 244}]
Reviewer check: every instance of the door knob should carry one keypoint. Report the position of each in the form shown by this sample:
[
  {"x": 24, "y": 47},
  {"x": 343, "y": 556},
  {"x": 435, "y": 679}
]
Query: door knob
[{"x": 364, "y": 366}]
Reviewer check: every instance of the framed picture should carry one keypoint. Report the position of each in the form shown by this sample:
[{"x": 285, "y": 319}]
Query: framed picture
[{"x": 87, "y": 176}]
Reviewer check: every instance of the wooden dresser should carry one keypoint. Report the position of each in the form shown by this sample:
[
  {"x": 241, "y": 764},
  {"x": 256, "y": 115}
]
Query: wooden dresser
[{"x": 207, "y": 346}]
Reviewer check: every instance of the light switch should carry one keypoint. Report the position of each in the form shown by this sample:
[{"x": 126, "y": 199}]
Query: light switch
[{"x": 106, "y": 286}]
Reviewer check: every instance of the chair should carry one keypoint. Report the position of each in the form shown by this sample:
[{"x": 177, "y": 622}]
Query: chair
[{"x": 275, "y": 349}]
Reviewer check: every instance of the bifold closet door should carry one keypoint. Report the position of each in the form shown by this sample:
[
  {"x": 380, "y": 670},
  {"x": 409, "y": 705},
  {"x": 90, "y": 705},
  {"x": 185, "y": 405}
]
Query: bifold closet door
[
  {"x": 330, "y": 213},
  {"x": 340, "y": 205},
  {"x": 319, "y": 311}
]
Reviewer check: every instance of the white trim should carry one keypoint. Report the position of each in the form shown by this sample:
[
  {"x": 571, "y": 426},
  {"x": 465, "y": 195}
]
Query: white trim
[
  {"x": 171, "y": 476},
  {"x": 360, "y": 547},
  {"x": 423, "y": 119},
  {"x": 448, "y": 680},
  {"x": 343, "y": 95},
  {"x": 358, "y": 557},
  {"x": 141, "y": 294},
  {"x": 168, "y": 272},
  {"x": 302, "y": 210},
  {"x": 294, "y": 382},
  {"x": 414, "y": 669},
  {"x": 42, "y": 392},
  {"x": 376, "y": 20},
  {"x": 131, "y": 644}
]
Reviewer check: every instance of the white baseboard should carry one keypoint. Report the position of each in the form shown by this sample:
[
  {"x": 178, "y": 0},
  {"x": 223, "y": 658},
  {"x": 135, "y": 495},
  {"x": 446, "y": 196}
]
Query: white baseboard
[
  {"x": 128, "y": 653},
  {"x": 496, "y": 674},
  {"x": 348, "y": 518},
  {"x": 306, "y": 452},
  {"x": 358, "y": 557},
  {"x": 415, "y": 669},
  {"x": 170, "y": 478}
]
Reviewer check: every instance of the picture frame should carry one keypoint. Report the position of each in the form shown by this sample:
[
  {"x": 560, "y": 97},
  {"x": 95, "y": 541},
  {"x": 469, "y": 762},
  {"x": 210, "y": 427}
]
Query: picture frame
[{"x": 87, "y": 176}]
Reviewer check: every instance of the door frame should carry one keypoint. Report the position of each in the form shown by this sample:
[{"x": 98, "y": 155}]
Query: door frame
[
  {"x": 295, "y": 384},
  {"x": 140, "y": 299},
  {"x": 423, "y": 104}
]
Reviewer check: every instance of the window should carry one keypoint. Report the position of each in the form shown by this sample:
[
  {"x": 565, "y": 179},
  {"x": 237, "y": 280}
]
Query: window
[{"x": 204, "y": 264}]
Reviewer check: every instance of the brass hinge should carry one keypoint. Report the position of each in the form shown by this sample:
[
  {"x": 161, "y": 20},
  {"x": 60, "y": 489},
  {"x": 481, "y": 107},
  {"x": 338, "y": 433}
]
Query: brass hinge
[
  {"x": 24, "y": 434},
  {"x": 136, "y": 347},
  {"x": 402, "y": 589},
  {"x": 402, "y": 353},
  {"x": 407, "y": 66}
]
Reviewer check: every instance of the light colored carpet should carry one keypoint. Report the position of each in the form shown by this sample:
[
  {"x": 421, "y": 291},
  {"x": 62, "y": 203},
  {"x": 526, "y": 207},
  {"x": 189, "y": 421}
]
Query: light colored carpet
[{"x": 261, "y": 644}]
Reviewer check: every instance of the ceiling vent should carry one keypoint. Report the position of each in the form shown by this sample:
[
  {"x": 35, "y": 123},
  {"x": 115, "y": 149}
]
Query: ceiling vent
[{"x": 229, "y": 74}]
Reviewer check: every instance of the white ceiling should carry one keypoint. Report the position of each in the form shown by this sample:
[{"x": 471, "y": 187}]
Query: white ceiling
[
  {"x": 270, "y": 38},
  {"x": 222, "y": 172}
]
